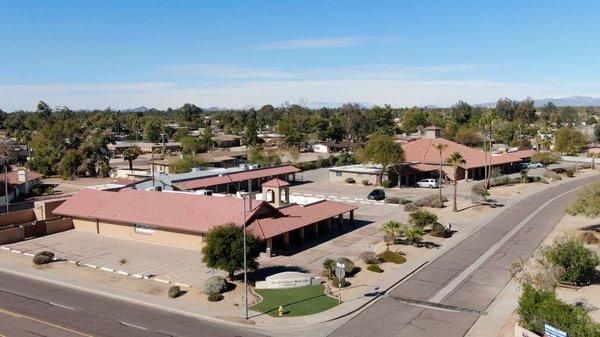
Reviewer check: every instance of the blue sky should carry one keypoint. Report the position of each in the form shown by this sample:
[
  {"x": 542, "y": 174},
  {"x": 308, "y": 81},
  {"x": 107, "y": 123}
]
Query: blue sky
[{"x": 95, "y": 54}]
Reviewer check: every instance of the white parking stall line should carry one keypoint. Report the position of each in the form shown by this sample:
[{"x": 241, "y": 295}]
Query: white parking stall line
[
  {"x": 133, "y": 326},
  {"x": 62, "y": 306}
]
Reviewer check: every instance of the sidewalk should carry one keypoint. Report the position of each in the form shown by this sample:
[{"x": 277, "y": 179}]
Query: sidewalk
[{"x": 354, "y": 298}]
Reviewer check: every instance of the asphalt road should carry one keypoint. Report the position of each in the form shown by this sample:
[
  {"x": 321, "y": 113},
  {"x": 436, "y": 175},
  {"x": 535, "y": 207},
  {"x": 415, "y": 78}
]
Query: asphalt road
[
  {"x": 466, "y": 279},
  {"x": 33, "y": 308}
]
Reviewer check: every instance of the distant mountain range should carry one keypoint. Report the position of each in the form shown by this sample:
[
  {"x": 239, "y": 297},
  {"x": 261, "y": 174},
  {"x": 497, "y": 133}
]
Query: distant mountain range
[{"x": 561, "y": 101}]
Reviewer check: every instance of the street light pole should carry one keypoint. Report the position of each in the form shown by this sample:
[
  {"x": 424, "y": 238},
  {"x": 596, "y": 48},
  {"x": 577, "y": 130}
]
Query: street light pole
[
  {"x": 6, "y": 189},
  {"x": 245, "y": 265}
]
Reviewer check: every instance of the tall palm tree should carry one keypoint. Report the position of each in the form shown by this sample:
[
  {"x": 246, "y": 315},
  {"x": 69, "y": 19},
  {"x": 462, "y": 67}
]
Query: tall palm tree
[
  {"x": 440, "y": 147},
  {"x": 456, "y": 160}
]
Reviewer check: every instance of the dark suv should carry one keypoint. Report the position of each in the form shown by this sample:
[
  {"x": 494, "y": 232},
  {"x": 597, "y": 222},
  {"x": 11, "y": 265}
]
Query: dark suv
[{"x": 376, "y": 195}]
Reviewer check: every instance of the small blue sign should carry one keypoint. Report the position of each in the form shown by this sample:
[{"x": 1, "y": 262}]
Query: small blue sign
[{"x": 550, "y": 331}]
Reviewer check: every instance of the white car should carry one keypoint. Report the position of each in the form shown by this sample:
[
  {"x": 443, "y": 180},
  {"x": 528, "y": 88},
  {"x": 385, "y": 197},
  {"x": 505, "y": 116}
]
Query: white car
[
  {"x": 430, "y": 183},
  {"x": 534, "y": 165}
]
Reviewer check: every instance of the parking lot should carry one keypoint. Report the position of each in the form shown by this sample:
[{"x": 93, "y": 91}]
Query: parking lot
[{"x": 156, "y": 261}]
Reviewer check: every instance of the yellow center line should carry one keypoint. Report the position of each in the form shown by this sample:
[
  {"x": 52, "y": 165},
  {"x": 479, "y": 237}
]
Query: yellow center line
[{"x": 18, "y": 315}]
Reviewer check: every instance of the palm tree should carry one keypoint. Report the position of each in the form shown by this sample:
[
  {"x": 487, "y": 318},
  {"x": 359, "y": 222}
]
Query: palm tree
[
  {"x": 414, "y": 235},
  {"x": 456, "y": 160},
  {"x": 393, "y": 229},
  {"x": 440, "y": 147}
]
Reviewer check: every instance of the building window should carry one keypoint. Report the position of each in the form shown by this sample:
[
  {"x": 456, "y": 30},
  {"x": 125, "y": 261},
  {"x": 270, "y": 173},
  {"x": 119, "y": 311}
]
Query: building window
[
  {"x": 338, "y": 173},
  {"x": 144, "y": 229}
]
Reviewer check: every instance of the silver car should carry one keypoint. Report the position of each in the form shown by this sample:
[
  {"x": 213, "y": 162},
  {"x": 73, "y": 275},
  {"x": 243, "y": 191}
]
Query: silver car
[{"x": 430, "y": 183}]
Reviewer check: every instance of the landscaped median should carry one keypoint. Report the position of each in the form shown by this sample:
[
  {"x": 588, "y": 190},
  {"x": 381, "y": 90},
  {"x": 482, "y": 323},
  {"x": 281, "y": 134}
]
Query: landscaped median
[{"x": 295, "y": 301}]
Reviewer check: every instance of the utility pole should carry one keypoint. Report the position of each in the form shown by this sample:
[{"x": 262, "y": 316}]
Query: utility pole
[
  {"x": 6, "y": 188},
  {"x": 245, "y": 252}
]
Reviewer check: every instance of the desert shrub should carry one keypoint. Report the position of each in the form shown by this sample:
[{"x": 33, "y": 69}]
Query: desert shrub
[
  {"x": 337, "y": 283},
  {"x": 552, "y": 176},
  {"x": 570, "y": 173},
  {"x": 374, "y": 268},
  {"x": 215, "y": 297},
  {"x": 439, "y": 230},
  {"x": 435, "y": 196},
  {"x": 349, "y": 181},
  {"x": 414, "y": 235},
  {"x": 349, "y": 266},
  {"x": 365, "y": 182},
  {"x": 436, "y": 204},
  {"x": 479, "y": 192},
  {"x": 394, "y": 229},
  {"x": 43, "y": 257},
  {"x": 587, "y": 202},
  {"x": 422, "y": 218},
  {"x": 545, "y": 158},
  {"x": 590, "y": 238},
  {"x": 411, "y": 207},
  {"x": 539, "y": 307},
  {"x": 397, "y": 200},
  {"x": 386, "y": 183},
  {"x": 369, "y": 257},
  {"x": 214, "y": 284},
  {"x": 328, "y": 268},
  {"x": 421, "y": 203},
  {"x": 393, "y": 257},
  {"x": 578, "y": 262},
  {"x": 173, "y": 292}
]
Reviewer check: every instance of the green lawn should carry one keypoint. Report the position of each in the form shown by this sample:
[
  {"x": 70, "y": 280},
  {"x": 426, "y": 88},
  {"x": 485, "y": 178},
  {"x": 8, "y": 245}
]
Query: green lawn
[{"x": 296, "y": 301}]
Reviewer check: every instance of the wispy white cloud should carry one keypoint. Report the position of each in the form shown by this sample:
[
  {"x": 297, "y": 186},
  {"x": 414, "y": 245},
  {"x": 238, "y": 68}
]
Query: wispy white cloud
[
  {"x": 332, "y": 42},
  {"x": 225, "y": 70}
]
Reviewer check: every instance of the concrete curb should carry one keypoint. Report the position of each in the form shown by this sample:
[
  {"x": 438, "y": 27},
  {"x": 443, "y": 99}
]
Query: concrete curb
[{"x": 106, "y": 269}]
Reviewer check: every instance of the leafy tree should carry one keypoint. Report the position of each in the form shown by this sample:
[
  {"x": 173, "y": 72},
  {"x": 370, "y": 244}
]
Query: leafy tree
[
  {"x": 356, "y": 123},
  {"x": 461, "y": 112},
  {"x": 131, "y": 154},
  {"x": 190, "y": 113},
  {"x": 206, "y": 141},
  {"x": 506, "y": 109},
  {"x": 186, "y": 164},
  {"x": 250, "y": 136},
  {"x": 456, "y": 160},
  {"x": 414, "y": 119},
  {"x": 381, "y": 120},
  {"x": 94, "y": 154},
  {"x": 346, "y": 159},
  {"x": 547, "y": 111},
  {"x": 224, "y": 249},
  {"x": 382, "y": 149},
  {"x": 468, "y": 136},
  {"x": 569, "y": 141},
  {"x": 291, "y": 128},
  {"x": 257, "y": 156},
  {"x": 578, "y": 262},
  {"x": 335, "y": 130},
  {"x": 569, "y": 116},
  {"x": 67, "y": 167},
  {"x": 597, "y": 132},
  {"x": 152, "y": 130},
  {"x": 526, "y": 110}
]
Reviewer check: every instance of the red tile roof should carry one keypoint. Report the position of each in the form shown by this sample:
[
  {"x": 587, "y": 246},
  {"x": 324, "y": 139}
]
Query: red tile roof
[
  {"x": 13, "y": 177},
  {"x": 192, "y": 212},
  {"x": 276, "y": 183},
  {"x": 423, "y": 151},
  {"x": 235, "y": 177},
  {"x": 524, "y": 154},
  {"x": 297, "y": 216}
]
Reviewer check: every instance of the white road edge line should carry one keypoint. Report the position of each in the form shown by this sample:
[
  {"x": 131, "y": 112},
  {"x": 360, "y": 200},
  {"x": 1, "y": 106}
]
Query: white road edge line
[
  {"x": 61, "y": 306},
  {"x": 133, "y": 326},
  {"x": 442, "y": 293}
]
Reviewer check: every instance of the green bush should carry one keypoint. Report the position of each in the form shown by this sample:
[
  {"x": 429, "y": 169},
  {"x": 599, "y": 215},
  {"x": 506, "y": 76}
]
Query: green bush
[
  {"x": 438, "y": 230},
  {"x": 173, "y": 292},
  {"x": 214, "y": 284},
  {"x": 422, "y": 218},
  {"x": 369, "y": 257},
  {"x": 43, "y": 257},
  {"x": 393, "y": 257},
  {"x": 349, "y": 266},
  {"x": 411, "y": 207},
  {"x": 570, "y": 173},
  {"x": 374, "y": 268},
  {"x": 335, "y": 282},
  {"x": 587, "y": 202},
  {"x": 578, "y": 262},
  {"x": 414, "y": 235},
  {"x": 386, "y": 183},
  {"x": 436, "y": 204},
  {"x": 551, "y": 175},
  {"x": 349, "y": 181},
  {"x": 328, "y": 268},
  {"x": 539, "y": 307},
  {"x": 215, "y": 297},
  {"x": 546, "y": 158}
]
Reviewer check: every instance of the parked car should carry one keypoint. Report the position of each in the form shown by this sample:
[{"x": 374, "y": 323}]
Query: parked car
[
  {"x": 430, "y": 183},
  {"x": 377, "y": 194},
  {"x": 534, "y": 165}
]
